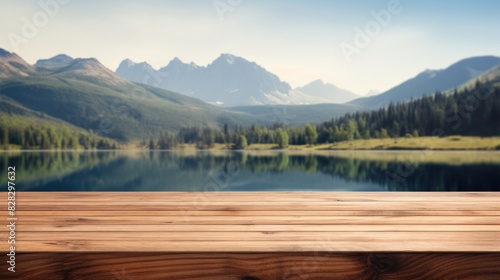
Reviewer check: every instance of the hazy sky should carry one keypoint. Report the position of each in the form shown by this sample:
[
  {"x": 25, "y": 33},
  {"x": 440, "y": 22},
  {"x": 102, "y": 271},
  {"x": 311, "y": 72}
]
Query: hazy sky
[{"x": 300, "y": 41}]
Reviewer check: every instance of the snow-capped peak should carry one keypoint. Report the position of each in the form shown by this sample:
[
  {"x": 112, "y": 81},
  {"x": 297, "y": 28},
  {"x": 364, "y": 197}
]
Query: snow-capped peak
[{"x": 227, "y": 58}]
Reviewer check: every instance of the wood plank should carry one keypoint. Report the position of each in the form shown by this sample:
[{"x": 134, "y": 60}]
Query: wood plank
[
  {"x": 257, "y": 206},
  {"x": 290, "y": 219},
  {"x": 294, "y": 228},
  {"x": 258, "y": 246},
  {"x": 22, "y": 213},
  {"x": 140, "y": 236},
  {"x": 187, "y": 197},
  {"x": 285, "y": 266}
]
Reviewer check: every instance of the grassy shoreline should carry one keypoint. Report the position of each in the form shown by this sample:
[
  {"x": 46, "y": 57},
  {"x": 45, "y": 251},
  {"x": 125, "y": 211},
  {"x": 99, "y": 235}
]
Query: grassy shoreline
[{"x": 451, "y": 143}]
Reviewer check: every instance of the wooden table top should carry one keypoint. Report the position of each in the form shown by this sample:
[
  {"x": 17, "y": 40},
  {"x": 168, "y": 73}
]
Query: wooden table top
[{"x": 254, "y": 222}]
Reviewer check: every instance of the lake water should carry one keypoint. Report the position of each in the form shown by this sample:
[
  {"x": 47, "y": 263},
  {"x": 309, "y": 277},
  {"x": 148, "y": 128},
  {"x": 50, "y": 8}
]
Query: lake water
[{"x": 253, "y": 171}]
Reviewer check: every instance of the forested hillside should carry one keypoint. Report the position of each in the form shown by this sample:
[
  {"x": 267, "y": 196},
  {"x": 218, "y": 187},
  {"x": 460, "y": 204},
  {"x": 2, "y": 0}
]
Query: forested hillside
[
  {"x": 471, "y": 112},
  {"x": 28, "y": 133}
]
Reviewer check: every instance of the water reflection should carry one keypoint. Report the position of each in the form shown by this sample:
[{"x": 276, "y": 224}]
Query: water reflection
[{"x": 253, "y": 171}]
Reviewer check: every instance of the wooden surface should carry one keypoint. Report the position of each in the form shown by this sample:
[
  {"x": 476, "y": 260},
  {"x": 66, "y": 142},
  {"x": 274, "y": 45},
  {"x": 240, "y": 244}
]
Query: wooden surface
[
  {"x": 255, "y": 222},
  {"x": 256, "y": 266},
  {"x": 255, "y": 236}
]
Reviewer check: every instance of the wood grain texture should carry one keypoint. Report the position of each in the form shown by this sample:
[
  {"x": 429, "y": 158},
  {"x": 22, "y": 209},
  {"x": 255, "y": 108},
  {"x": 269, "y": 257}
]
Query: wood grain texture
[
  {"x": 258, "y": 266},
  {"x": 128, "y": 213},
  {"x": 189, "y": 197},
  {"x": 63, "y": 220},
  {"x": 255, "y": 222},
  {"x": 260, "y": 206},
  {"x": 253, "y": 236}
]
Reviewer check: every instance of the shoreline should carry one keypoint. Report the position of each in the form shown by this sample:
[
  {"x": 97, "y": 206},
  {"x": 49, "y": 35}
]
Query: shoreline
[{"x": 450, "y": 143}]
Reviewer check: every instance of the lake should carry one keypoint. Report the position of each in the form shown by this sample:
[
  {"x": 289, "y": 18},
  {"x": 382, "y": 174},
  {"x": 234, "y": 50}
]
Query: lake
[{"x": 253, "y": 171}]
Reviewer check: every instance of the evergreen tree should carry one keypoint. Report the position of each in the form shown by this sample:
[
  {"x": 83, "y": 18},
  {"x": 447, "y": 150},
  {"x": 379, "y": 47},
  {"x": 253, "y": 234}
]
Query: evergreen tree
[
  {"x": 152, "y": 144},
  {"x": 311, "y": 135},
  {"x": 241, "y": 144},
  {"x": 282, "y": 138}
]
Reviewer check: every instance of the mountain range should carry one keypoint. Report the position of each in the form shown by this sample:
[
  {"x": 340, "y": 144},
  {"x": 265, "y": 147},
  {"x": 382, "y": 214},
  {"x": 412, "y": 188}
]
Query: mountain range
[
  {"x": 85, "y": 94},
  {"x": 82, "y": 94},
  {"x": 231, "y": 81}
]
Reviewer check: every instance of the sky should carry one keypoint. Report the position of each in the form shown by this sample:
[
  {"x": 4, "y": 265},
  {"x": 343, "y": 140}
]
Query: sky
[{"x": 357, "y": 45}]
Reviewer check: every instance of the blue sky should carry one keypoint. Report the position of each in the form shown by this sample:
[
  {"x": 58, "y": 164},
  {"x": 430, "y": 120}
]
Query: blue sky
[{"x": 300, "y": 41}]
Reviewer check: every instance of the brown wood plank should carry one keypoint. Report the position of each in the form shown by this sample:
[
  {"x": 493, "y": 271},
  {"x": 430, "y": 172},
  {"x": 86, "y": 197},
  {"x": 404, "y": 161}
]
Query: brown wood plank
[
  {"x": 258, "y": 206},
  {"x": 295, "y": 228},
  {"x": 257, "y": 266},
  {"x": 127, "y": 213},
  {"x": 140, "y": 236},
  {"x": 290, "y": 219},
  {"x": 332, "y": 245}
]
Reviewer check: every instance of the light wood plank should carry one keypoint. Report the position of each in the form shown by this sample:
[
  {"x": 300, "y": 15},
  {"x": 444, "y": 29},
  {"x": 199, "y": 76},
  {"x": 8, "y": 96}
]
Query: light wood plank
[
  {"x": 260, "y": 206},
  {"x": 77, "y": 213},
  {"x": 293, "y": 228},
  {"x": 259, "y": 246},
  {"x": 290, "y": 219}
]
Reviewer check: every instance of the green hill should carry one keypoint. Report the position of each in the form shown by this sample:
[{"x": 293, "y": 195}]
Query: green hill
[{"x": 21, "y": 127}]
